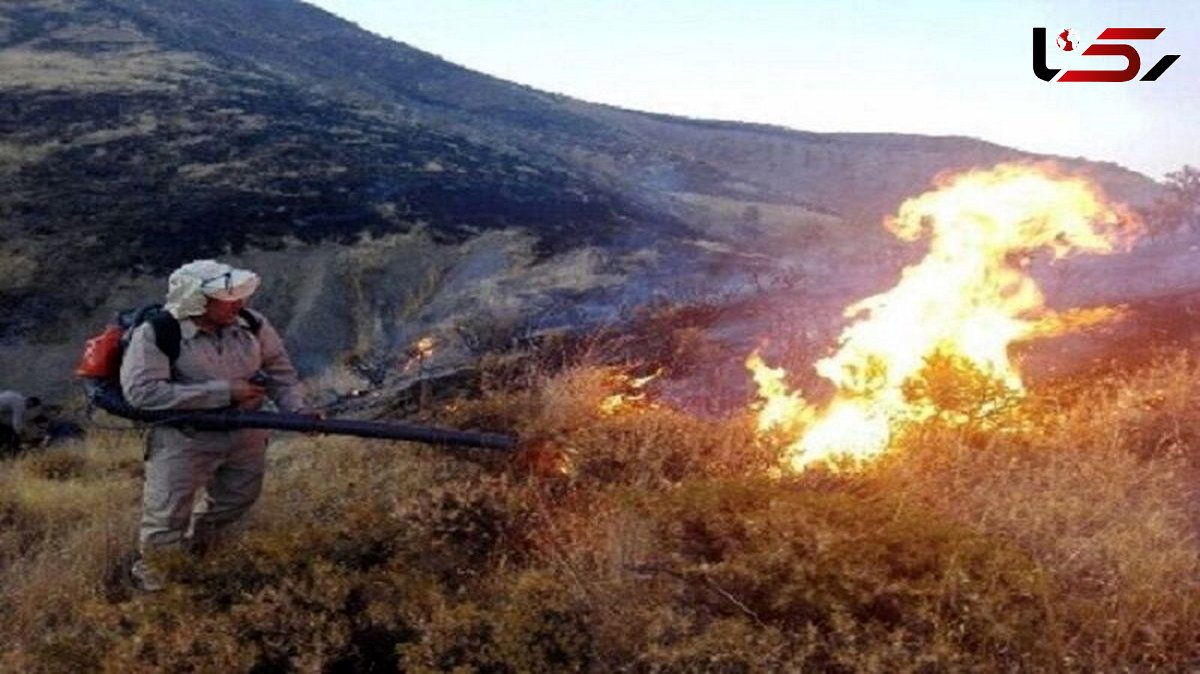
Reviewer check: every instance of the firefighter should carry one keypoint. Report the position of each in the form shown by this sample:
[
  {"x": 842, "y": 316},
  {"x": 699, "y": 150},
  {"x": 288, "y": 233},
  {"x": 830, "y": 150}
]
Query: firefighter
[{"x": 228, "y": 355}]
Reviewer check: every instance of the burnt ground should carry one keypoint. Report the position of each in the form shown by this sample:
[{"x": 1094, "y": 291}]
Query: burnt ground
[
  {"x": 1149, "y": 328},
  {"x": 703, "y": 348}
]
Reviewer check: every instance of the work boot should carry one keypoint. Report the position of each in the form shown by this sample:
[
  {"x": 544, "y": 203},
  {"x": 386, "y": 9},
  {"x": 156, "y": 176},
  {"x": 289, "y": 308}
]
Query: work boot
[
  {"x": 204, "y": 538},
  {"x": 145, "y": 577}
]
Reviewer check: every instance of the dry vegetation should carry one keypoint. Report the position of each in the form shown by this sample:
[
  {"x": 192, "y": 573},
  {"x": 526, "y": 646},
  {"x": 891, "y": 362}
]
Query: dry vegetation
[
  {"x": 19, "y": 269},
  {"x": 142, "y": 69},
  {"x": 1057, "y": 536}
]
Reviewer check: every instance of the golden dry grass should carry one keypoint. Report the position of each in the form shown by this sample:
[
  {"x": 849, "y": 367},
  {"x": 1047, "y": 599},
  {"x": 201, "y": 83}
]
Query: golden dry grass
[
  {"x": 67, "y": 518},
  {"x": 1100, "y": 492},
  {"x": 1062, "y": 539}
]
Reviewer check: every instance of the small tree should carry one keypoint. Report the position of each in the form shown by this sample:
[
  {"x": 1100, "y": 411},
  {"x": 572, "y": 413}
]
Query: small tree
[{"x": 1179, "y": 210}]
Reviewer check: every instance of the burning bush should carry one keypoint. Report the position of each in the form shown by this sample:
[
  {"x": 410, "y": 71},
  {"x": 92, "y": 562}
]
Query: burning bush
[
  {"x": 964, "y": 303},
  {"x": 609, "y": 432}
]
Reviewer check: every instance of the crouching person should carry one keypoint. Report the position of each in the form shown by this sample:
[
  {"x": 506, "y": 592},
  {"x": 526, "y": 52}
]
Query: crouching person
[
  {"x": 227, "y": 356},
  {"x": 15, "y": 409}
]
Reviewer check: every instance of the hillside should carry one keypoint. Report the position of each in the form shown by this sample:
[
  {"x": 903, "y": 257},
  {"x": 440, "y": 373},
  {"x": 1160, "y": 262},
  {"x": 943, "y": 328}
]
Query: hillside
[{"x": 142, "y": 134}]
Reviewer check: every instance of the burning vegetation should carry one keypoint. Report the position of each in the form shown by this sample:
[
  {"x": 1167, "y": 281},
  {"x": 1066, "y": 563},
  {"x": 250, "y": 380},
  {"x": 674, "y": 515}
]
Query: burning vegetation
[
  {"x": 628, "y": 393},
  {"x": 417, "y": 356},
  {"x": 963, "y": 305},
  {"x": 987, "y": 526}
]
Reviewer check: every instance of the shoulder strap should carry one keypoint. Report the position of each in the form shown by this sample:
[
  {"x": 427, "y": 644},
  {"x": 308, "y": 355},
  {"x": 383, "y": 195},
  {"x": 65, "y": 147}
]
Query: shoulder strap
[
  {"x": 167, "y": 335},
  {"x": 253, "y": 321}
]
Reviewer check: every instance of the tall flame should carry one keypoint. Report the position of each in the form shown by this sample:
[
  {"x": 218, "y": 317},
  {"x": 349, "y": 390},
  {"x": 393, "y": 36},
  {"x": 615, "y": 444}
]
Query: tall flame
[{"x": 968, "y": 299}]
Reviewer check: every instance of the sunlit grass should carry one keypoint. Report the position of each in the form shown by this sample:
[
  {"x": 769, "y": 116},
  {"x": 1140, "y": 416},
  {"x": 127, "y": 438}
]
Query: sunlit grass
[{"x": 1060, "y": 536}]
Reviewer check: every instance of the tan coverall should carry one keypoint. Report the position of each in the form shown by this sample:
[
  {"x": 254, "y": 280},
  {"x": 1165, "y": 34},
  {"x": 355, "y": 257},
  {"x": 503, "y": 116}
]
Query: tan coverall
[{"x": 179, "y": 461}]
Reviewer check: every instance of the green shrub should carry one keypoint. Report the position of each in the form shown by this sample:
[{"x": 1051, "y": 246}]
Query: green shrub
[
  {"x": 725, "y": 646},
  {"x": 529, "y": 622},
  {"x": 847, "y": 573},
  {"x": 456, "y": 638}
]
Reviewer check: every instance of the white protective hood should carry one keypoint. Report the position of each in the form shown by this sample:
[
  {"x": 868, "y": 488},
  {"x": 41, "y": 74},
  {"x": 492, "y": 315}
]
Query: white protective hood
[{"x": 191, "y": 285}]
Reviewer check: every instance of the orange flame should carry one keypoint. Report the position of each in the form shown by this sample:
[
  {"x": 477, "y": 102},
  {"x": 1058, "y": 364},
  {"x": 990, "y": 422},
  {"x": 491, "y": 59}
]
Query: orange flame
[
  {"x": 424, "y": 346},
  {"x": 632, "y": 394},
  {"x": 781, "y": 410},
  {"x": 418, "y": 353},
  {"x": 968, "y": 298}
]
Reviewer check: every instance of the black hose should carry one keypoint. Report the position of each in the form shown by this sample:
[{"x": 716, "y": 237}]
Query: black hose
[{"x": 109, "y": 398}]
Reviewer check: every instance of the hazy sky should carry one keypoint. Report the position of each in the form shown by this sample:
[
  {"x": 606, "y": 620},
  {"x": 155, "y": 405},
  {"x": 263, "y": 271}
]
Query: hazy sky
[{"x": 943, "y": 68}]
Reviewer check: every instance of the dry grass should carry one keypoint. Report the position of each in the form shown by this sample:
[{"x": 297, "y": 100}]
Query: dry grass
[
  {"x": 139, "y": 69},
  {"x": 1099, "y": 491},
  {"x": 16, "y": 155},
  {"x": 19, "y": 270},
  {"x": 67, "y": 525},
  {"x": 1064, "y": 540},
  {"x": 727, "y": 219}
]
